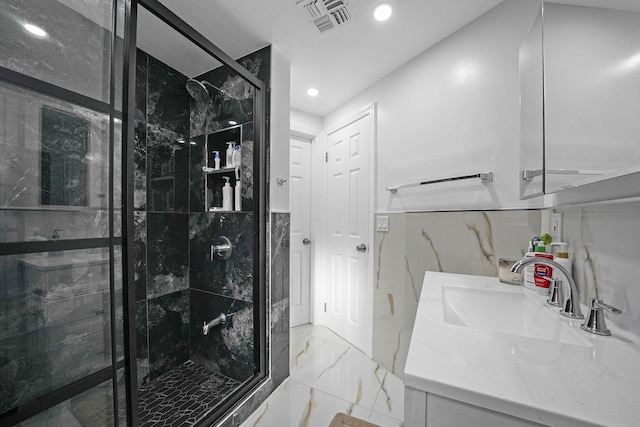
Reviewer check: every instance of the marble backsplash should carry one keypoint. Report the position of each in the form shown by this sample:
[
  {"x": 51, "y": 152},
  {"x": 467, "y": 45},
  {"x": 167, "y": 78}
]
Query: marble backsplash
[
  {"x": 605, "y": 249},
  {"x": 455, "y": 242}
]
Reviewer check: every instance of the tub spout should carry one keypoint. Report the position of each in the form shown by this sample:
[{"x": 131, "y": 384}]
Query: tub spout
[{"x": 220, "y": 320}]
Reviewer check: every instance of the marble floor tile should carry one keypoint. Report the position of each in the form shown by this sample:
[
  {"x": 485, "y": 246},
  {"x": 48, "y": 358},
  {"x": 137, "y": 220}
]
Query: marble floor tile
[
  {"x": 384, "y": 421},
  {"x": 328, "y": 375},
  {"x": 294, "y": 404},
  {"x": 302, "y": 347},
  {"x": 344, "y": 372},
  {"x": 390, "y": 400},
  {"x": 320, "y": 332}
]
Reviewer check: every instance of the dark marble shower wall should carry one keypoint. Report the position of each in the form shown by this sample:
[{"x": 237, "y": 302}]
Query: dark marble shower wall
[
  {"x": 161, "y": 201},
  {"x": 222, "y": 286},
  {"x": 278, "y": 343},
  {"x": 178, "y": 287},
  {"x": 176, "y": 295}
]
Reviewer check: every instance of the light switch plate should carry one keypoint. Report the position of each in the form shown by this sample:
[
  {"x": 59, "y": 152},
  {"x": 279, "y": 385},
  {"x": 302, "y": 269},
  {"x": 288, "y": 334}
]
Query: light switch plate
[{"x": 382, "y": 223}]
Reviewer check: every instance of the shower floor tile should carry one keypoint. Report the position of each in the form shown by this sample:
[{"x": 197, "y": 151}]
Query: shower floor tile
[{"x": 182, "y": 396}]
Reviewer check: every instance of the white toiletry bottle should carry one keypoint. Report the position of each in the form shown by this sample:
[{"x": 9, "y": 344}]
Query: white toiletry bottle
[
  {"x": 229, "y": 159},
  {"x": 216, "y": 160},
  {"x": 236, "y": 156},
  {"x": 227, "y": 196},
  {"x": 562, "y": 256},
  {"x": 528, "y": 270},
  {"x": 238, "y": 188}
]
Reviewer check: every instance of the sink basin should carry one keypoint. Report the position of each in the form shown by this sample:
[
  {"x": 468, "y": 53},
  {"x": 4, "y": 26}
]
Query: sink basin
[{"x": 513, "y": 313}]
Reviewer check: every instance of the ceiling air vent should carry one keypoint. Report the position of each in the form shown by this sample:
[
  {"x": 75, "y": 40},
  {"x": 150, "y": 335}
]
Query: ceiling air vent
[{"x": 326, "y": 15}]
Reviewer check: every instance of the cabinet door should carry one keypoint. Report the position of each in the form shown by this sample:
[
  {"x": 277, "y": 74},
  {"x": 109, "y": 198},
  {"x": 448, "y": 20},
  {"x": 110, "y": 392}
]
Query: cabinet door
[
  {"x": 592, "y": 94},
  {"x": 442, "y": 412},
  {"x": 531, "y": 112}
]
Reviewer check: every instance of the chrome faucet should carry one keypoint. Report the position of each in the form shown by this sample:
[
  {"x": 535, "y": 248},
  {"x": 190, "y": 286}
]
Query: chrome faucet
[{"x": 571, "y": 306}]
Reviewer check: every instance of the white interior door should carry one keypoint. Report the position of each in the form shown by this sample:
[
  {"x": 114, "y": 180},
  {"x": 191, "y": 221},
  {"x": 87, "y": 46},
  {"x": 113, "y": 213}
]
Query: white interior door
[
  {"x": 348, "y": 217},
  {"x": 300, "y": 201}
]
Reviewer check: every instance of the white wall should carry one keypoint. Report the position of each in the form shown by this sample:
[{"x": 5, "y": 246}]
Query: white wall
[
  {"x": 305, "y": 123},
  {"x": 453, "y": 110},
  {"x": 279, "y": 132}
]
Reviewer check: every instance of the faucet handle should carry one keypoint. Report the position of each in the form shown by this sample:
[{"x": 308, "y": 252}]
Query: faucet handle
[{"x": 595, "y": 321}]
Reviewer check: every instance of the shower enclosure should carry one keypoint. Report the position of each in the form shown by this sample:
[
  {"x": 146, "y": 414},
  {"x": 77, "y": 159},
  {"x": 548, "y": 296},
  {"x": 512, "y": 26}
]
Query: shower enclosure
[{"x": 131, "y": 293}]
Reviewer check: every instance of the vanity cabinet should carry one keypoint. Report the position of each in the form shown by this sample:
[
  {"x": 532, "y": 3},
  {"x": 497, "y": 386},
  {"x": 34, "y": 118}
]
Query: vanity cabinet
[
  {"x": 431, "y": 410},
  {"x": 582, "y": 127}
]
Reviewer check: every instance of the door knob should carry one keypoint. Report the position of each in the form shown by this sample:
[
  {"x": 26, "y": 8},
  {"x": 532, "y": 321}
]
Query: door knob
[
  {"x": 306, "y": 241},
  {"x": 361, "y": 247}
]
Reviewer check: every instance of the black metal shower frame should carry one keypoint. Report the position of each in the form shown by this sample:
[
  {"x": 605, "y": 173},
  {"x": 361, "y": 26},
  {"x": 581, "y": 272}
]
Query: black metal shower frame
[{"x": 261, "y": 124}]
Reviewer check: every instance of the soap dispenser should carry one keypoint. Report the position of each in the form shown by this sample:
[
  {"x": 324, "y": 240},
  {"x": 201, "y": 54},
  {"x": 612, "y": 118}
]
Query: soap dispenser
[{"x": 227, "y": 201}]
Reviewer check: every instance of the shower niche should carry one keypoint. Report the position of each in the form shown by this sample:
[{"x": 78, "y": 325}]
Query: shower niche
[{"x": 237, "y": 168}]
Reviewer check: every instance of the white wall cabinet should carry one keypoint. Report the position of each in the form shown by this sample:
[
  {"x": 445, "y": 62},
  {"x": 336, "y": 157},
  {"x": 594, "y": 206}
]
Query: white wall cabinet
[{"x": 589, "y": 132}]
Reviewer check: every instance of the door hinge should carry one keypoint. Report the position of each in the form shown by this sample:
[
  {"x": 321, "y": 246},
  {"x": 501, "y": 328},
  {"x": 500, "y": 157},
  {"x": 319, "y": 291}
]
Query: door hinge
[
  {"x": 325, "y": 307},
  {"x": 326, "y": 157}
]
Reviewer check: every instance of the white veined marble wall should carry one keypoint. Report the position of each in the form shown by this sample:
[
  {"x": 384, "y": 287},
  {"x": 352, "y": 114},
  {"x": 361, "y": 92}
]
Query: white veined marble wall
[
  {"x": 605, "y": 250},
  {"x": 455, "y": 242}
]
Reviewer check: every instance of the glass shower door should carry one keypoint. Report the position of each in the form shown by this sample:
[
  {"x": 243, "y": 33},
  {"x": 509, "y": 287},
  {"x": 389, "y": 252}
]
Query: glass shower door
[
  {"x": 61, "y": 348},
  {"x": 198, "y": 223}
]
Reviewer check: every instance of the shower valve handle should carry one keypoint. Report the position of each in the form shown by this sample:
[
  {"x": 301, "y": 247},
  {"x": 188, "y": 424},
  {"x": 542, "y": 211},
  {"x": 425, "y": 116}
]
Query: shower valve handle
[{"x": 222, "y": 248}]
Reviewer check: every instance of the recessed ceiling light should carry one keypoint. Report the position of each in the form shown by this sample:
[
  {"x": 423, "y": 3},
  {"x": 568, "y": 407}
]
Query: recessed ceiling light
[
  {"x": 383, "y": 11},
  {"x": 233, "y": 122},
  {"x": 35, "y": 30},
  {"x": 313, "y": 91}
]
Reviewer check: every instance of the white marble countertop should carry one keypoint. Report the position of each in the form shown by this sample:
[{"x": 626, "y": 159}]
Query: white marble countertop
[{"x": 596, "y": 383}]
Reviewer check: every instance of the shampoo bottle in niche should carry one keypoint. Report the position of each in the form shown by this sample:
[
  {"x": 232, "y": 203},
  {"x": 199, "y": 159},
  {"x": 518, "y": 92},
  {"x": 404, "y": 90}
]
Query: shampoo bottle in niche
[
  {"x": 229, "y": 157},
  {"x": 216, "y": 160},
  {"x": 238, "y": 188},
  {"x": 236, "y": 156},
  {"x": 227, "y": 195}
]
